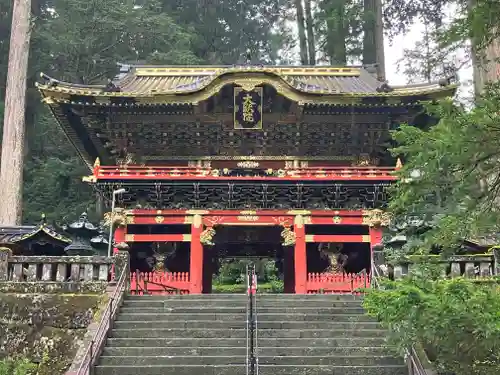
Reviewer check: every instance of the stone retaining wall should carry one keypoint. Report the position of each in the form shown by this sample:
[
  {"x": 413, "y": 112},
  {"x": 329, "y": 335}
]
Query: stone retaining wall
[{"x": 49, "y": 306}]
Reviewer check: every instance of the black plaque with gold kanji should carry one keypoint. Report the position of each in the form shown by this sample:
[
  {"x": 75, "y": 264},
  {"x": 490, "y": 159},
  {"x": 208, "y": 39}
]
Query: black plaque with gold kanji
[{"x": 248, "y": 108}]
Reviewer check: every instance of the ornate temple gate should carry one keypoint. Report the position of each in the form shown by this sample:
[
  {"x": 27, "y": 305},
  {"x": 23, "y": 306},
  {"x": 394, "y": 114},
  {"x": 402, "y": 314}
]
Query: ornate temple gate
[
  {"x": 204, "y": 225},
  {"x": 199, "y": 145}
]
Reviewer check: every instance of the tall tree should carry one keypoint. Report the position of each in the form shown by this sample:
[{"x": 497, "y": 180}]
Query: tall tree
[
  {"x": 340, "y": 28},
  {"x": 12, "y": 162},
  {"x": 427, "y": 60},
  {"x": 231, "y": 31},
  {"x": 373, "y": 36},
  {"x": 379, "y": 40},
  {"x": 302, "y": 32},
  {"x": 471, "y": 23},
  {"x": 311, "y": 43}
]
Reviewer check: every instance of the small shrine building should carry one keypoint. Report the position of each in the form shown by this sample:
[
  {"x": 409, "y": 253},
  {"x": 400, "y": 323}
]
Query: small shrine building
[{"x": 225, "y": 161}]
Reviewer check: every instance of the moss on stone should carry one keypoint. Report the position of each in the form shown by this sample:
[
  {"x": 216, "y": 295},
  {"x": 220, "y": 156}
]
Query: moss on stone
[
  {"x": 53, "y": 287},
  {"x": 46, "y": 328}
]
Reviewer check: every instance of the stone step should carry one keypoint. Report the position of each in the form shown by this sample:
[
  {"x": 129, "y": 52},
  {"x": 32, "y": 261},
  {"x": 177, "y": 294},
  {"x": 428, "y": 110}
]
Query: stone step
[
  {"x": 276, "y": 317},
  {"x": 310, "y": 310},
  {"x": 239, "y": 324},
  {"x": 197, "y": 303},
  {"x": 241, "y": 370},
  {"x": 238, "y": 351},
  {"x": 238, "y": 360},
  {"x": 234, "y": 296},
  {"x": 244, "y": 297},
  {"x": 241, "y": 342},
  {"x": 166, "y": 333}
]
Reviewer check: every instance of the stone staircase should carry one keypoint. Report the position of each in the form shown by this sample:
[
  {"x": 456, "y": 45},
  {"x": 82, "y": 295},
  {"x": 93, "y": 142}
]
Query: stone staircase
[
  {"x": 206, "y": 335},
  {"x": 321, "y": 335}
]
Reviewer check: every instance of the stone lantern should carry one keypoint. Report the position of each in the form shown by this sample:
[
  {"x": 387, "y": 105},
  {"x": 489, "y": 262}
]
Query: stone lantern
[
  {"x": 82, "y": 232},
  {"x": 100, "y": 243}
]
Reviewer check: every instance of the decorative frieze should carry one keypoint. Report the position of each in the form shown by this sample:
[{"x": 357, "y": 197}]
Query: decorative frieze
[{"x": 254, "y": 195}]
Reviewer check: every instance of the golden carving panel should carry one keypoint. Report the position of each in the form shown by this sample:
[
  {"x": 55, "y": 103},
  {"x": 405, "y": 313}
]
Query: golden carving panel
[{"x": 376, "y": 218}]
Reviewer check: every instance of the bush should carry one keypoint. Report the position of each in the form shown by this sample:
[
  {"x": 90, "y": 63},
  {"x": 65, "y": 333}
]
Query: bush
[
  {"x": 11, "y": 366},
  {"x": 457, "y": 321}
]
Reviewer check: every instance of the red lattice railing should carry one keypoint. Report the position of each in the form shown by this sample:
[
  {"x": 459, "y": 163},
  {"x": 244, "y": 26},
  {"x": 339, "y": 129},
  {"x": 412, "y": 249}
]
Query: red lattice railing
[
  {"x": 330, "y": 283},
  {"x": 186, "y": 173},
  {"x": 159, "y": 283}
]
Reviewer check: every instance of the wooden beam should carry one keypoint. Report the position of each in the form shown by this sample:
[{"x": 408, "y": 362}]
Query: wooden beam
[
  {"x": 233, "y": 213},
  {"x": 159, "y": 220},
  {"x": 334, "y": 220},
  {"x": 338, "y": 238},
  {"x": 158, "y": 238}
]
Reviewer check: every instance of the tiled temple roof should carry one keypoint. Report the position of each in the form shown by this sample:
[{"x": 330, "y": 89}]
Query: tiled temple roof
[
  {"x": 144, "y": 80},
  {"x": 17, "y": 234}
]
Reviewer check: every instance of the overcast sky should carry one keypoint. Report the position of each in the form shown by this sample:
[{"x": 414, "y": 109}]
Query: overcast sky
[{"x": 394, "y": 52}]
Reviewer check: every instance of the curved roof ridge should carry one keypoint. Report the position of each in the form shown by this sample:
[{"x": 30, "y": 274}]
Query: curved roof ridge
[
  {"x": 50, "y": 81},
  {"x": 419, "y": 85}
]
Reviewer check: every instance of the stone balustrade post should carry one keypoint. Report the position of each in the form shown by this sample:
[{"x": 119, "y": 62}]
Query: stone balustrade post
[
  {"x": 455, "y": 269},
  {"x": 122, "y": 263},
  {"x": 496, "y": 262},
  {"x": 5, "y": 253},
  {"x": 379, "y": 261}
]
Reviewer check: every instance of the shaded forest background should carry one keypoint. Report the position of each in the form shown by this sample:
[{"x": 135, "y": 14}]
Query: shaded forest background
[{"x": 81, "y": 41}]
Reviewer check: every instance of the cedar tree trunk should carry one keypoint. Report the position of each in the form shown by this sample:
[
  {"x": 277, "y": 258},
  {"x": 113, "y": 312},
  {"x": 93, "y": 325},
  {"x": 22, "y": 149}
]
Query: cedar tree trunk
[{"x": 11, "y": 172}]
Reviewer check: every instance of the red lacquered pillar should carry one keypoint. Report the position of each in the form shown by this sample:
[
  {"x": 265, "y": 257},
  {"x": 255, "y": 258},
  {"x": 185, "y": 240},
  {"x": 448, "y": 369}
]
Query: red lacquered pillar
[
  {"x": 375, "y": 236},
  {"x": 375, "y": 239},
  {"x": 119, "y": 237},
  {"x": 196, "y": 257},
  {"x": 300, "y": 256}
]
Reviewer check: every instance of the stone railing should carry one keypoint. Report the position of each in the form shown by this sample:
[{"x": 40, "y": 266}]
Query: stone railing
[
  {"x": 470, "y": 266},
  {"x": 44, "y": 273}
]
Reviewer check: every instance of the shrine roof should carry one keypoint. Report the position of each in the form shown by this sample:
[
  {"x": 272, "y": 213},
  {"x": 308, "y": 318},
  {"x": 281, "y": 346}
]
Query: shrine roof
[
  {"x": 191, "y": 84},
  {"x": 18, "y": 234}
]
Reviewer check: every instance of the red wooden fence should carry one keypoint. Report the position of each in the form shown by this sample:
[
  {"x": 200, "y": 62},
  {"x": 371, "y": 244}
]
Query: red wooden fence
[
  {"x": 331, "y": 283},
  {"x": 159, "y": 283}
]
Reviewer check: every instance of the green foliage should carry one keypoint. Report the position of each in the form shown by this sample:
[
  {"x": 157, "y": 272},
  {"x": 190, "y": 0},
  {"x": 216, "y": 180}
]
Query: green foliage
[
  {"x": 401, "y": 15},
  {"x": 272, "y": 287},
  {"x": 225, "y": 31},
  {"x": 459, "y": 183},
  {"x": 457, "y": 321},
  {"x": 87, "y": 39},
  {"x": 233, "y": 271},
  {"x": 11, "y": 366}
]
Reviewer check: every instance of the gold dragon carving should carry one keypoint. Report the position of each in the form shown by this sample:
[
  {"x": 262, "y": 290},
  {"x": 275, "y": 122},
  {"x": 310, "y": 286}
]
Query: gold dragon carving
[
  {"x": 288, "y": 237},
  {"x": 206, "y": 237},
  {"x": 118, "y": 218}
]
